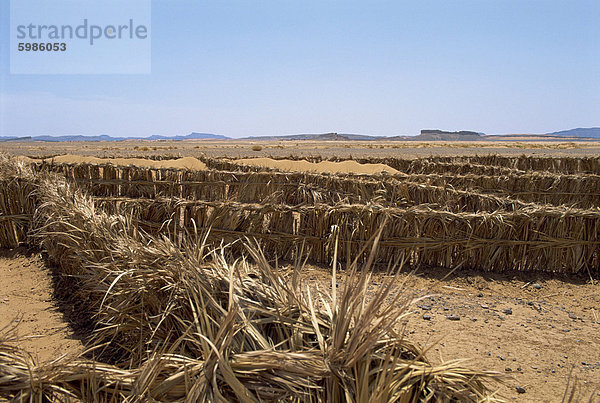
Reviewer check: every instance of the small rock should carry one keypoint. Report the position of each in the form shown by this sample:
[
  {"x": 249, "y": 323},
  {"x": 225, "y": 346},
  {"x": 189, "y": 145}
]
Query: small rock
[
  {"x": 536, "y": 286},
  {"x": 484, "y": 306},
  {"x": 507, "y": 369},
  {"x": 480, "y": 295},
  {"x": 426, "y": 307},
  {"x": 453, "y": 317},
  {"x": 501, "y": 358},
  {"x": 530, "y": 303},
  {"x": 520, "y": 389},
  {"x": 507, "y": 311},
  {"x": 426, "y": 317},
  {"x": 446, "y": 308},
  {"x": 572, "y": 316},
  {"x": 474, "y": 319},
  {"x": 519, "y": 369}
]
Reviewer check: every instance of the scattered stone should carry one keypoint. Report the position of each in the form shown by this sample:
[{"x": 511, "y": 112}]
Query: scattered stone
[
  {"x": 566, "y": 330},
  {"x": 508, "y": 369},
  {"x": 572, "y": 316},
  {"x": 536, "y": 286},
  {"x": 520, "y": 389},
  {"x": 519, "y": 369},
  {"x": 530, "y": 303},
  {"x": 501, "y": 358},
  {"x": 474, "y": 319},
  {"x": 480, "y": 295},
  {"x": 453, "y": 317},
  {"x": 426, "y": 307},
  {"x": 426, "y": 317},
  {"x": 484, "y": 306},
  {"x": 507, "y": 311},
  {"x": 446, "y": 308}
]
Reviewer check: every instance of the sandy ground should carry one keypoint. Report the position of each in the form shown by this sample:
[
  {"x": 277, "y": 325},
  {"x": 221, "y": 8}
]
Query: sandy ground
[
  {"x": 26, "y": 296},
  {"x": 537, "y": 337},
  {"x": 190, "y": 163},
  {"x": 341, "y": 149},
  {"x": 321, "y": 167}
]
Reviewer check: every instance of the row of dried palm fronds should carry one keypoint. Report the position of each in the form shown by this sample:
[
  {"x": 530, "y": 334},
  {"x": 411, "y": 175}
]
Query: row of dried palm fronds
[
  {"x": 479, "y": 164},
  {"x": 405, "y": 166},
  {"x": 532, "y": 239},
  {"x": 184, "y": 322},
  {"x": 454, "y": 192},
  {"x": 580, "y": 189}
]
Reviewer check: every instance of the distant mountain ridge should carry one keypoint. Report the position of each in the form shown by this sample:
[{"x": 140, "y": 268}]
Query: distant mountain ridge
[
  {"x": 593, "y": 132},
  {"x": 318, "y": 137},
  {"x": 579, "y": 134},
  {"x": 105, "y": 137}
]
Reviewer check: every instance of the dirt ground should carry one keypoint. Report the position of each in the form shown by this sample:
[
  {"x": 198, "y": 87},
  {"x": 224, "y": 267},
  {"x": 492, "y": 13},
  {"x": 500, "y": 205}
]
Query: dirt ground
[
  {"x": 538, "y": 330},
  {"x": 326, "y": 149},
  {"x": 26, "y": 296}
]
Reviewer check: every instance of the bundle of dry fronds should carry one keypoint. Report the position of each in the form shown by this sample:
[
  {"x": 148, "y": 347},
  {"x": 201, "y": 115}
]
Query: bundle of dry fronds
[{"x": 17, "y": 204}]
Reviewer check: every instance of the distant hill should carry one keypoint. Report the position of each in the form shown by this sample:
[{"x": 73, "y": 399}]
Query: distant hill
[
  {"x": 441, "y": 135},
  {"x": 104, "y": 137},
  {"x": 317, "y": 137},
  {"x": 5, "y": 139},
  {"x": 191, "y": 136},
  {"x": 593, "y": 132},
  {"x": 76, "y": 137}
]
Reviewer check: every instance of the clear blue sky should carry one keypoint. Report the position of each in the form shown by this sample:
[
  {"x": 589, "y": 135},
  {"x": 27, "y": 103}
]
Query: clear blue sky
[{"x": 271, "y": 67}]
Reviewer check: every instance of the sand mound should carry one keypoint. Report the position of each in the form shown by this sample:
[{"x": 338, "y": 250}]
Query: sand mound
[
  {"x": 321, "y": 167},
  {"x": 181, "y": 163}
]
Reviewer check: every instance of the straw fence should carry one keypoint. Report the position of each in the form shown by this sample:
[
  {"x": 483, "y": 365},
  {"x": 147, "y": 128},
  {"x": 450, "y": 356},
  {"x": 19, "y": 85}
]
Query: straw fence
[
  {"x": 479, "y": 164},
  {"x": 550, "y": 239},
  {"x": 580, "y": 190},
  {"x": 283, "y": 188},
  {"x": 563, "y": 165}
]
